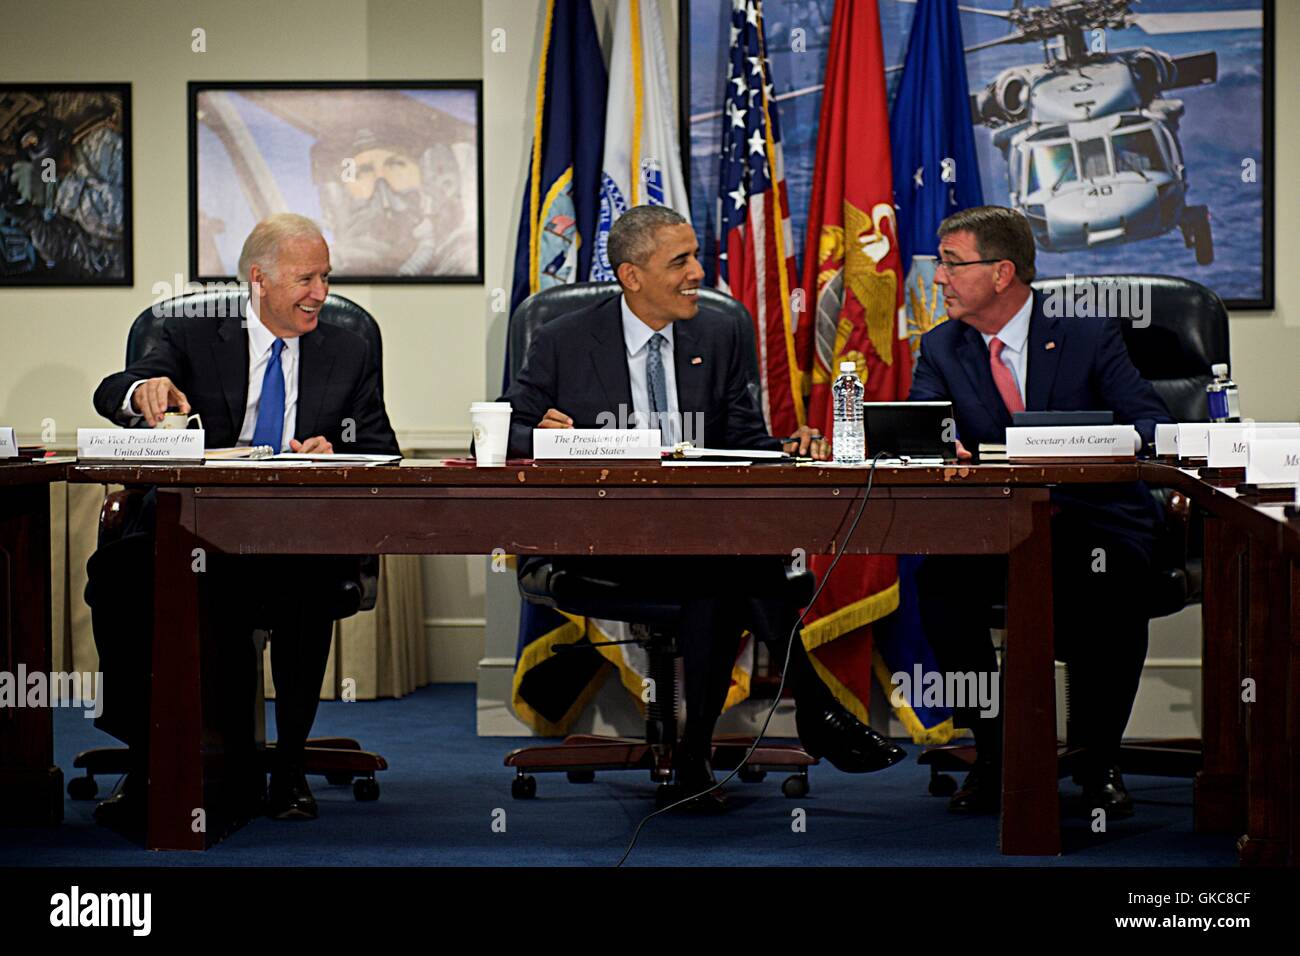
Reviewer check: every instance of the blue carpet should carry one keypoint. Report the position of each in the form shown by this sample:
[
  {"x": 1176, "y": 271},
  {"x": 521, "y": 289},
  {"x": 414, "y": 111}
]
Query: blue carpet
[{"x": 444, "y": 785}]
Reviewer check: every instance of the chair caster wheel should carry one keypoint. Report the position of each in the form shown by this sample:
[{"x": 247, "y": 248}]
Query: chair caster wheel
[
  {"x": 83, "y": 788},
  {"x": 581, "y": 776},
  {"x": 942, "y": 785},
  {"x": 795, "y": 785},
  {"x": 365, "y": 789},
  {"x": 750, "y": 775},
  {"x": 338, "y": 778},
  {"x": 523, "y": 787}
]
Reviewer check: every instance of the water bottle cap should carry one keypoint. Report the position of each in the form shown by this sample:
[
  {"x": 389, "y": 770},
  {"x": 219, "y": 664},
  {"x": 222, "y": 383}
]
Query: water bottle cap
[
  {"x": 1220, "y": 369},
  {"x": 851, "y": 367}
]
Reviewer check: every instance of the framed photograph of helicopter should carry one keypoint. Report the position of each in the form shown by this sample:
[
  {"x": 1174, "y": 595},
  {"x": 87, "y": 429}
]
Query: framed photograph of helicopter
[
  {"x": 391, "y": 170},
  {"x": 1135, "y": 137},
  {"x": 1140, "y": 140}
]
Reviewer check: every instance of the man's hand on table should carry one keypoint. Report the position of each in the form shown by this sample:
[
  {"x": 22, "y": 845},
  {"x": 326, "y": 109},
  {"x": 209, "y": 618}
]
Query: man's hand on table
[
  {"x": 316, "y": 445},
  {"x": 154, "y": 396},
  {"x": 808, "y": 443},
  {"x": 962, "y": 453},
  {"x": 554, "y": 418}
]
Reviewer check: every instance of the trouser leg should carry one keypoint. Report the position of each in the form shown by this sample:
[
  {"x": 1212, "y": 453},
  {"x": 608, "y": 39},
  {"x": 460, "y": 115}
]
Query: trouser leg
[
  {"x": 956, "y": 595},
  {"x": 300, "y": 651}
]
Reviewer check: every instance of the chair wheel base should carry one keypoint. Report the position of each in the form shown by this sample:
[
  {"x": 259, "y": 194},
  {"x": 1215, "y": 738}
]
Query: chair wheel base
[
  {"x": 795, "y": 786},
  {"x": 523, "y": 787},
  {"x": 365, "y": 789},
  {"x": 83, "y": 788}
]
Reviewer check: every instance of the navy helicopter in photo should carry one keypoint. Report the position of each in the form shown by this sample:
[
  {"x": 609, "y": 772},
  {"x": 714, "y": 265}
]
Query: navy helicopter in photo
[{"x": 1089, "y": 137}]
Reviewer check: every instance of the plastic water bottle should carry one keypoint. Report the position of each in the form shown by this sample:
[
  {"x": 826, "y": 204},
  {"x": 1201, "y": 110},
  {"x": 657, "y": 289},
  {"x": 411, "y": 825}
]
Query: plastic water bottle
[
  {"x": 1221, "y": 396},
  {"x": 847, "y": 439}
]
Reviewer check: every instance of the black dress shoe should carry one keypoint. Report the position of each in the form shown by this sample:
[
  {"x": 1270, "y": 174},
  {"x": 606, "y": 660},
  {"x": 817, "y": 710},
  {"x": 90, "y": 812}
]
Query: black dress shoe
[
  {"x": 981, "y": 792},
  {"x": 830, "y": 731},
  {"x": 695, "y": 776},
  {"x": 1106, "y": 790},
  {"x": 126, "y": 811},
  {"x": 289, "y": 797}
]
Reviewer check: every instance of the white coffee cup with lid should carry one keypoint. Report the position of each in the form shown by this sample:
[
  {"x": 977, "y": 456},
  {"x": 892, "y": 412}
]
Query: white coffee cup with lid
[{"x": 491, "y": 424}]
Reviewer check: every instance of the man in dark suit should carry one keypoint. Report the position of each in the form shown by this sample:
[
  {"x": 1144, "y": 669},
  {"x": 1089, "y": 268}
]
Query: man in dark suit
[
  {"x": 650, "y": 358},
  {"x": 1000, "y": 353},
  {"x": 272, "y": 376}
]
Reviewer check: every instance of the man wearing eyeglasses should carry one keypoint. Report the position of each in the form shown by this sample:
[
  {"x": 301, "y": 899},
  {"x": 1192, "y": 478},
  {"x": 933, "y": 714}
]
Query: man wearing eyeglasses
[{"x": 1002, "y": 354}]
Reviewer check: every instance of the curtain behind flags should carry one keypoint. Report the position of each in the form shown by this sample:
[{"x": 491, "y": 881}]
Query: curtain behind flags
[
  {"x": 935, "y": 175},
  {"x": 853, "y": 284},
  {"x": 755, "y": 247},
  {"x": 642, "y": 164},
  {"x": 557, "y": 224}
]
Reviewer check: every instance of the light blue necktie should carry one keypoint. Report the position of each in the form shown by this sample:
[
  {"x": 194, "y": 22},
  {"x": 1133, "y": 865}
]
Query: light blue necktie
[
  {"x": 657, "y": 387},
  {"x": 269, "y": 429}
]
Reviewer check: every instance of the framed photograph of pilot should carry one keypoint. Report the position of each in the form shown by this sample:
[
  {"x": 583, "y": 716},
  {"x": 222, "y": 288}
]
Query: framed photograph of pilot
[
  {"x": 65, "y": 184},
  {"x": 1135, "y": 137},
  {"x": 391, "y": 170}
]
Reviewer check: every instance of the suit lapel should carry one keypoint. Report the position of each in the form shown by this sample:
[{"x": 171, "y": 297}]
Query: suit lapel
[
  {"x": 1045, "y": 343},
  {"x": 974, "y": 358},
  {"x": 609, "y": 358},
  {"x": 692, "y": 377},
  {"x": 230, "y": 358},
  {"x": 315, "y": 362}
]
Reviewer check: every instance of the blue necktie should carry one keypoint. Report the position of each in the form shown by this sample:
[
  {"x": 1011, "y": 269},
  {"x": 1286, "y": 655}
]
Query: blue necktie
[
  {"x": 657, "y": 386},
  {"x": 269, "y": 429}
]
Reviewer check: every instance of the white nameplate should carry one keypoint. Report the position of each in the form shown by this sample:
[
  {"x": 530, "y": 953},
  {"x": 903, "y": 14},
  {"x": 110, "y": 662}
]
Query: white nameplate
[
  {"x": 1228, "y": 446},
  {"x": 136, "y": 444},
  {"x": 588, "y": 443},
  {"x": 1166, "y": 439},
  {"x": 8, "y": 443},
  {"x": 1273, "y": 461},
  {"x": 1073, "y": 441}
]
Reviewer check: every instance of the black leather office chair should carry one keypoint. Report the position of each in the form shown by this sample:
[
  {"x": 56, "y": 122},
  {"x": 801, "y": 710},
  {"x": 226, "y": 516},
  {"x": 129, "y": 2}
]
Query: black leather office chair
[
  {"x": 339, "y": 759},
  {"x": 1187, "y": 334},
  {"x": 655, "y": 624}
]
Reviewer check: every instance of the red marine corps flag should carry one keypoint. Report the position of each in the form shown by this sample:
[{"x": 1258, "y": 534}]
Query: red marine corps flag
[{"x": 853, "y": 286}]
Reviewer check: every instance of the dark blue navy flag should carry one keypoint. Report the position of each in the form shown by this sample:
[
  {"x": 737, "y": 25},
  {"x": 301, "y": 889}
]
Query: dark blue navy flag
[
  {"x": 557, "y": 230},
  {"x": 935, "y": 175},
  {"x": 557, "y": 225}
]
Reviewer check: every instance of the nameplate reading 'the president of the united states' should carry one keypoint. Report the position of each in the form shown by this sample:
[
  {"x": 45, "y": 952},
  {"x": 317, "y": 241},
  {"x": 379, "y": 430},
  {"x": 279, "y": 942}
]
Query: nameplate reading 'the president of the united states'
[
  {"x": 587, "y": 443},
  {"x": 140, "y": 444},
  {"x": 1073, "y": 441}
]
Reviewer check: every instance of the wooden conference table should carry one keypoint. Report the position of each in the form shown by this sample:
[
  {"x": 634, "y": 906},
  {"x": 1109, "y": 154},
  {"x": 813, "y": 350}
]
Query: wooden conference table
[{"x": 429, "y": 508}]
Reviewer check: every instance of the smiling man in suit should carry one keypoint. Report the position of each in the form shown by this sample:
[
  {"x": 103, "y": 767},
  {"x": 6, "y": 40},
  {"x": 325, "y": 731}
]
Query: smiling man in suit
[
  {"x": 273, "y": 375},
  {"x": 1000, "y": 353},
  {"x": 650, "y": 358}
]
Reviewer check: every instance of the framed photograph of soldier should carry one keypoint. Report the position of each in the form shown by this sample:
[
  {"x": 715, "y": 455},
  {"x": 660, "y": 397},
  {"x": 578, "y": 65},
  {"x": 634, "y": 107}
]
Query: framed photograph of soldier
[
  {"x": 1135, "y": 137},
  {"x": 65, "y": 184},
  {"x": 391, "y": 170}
]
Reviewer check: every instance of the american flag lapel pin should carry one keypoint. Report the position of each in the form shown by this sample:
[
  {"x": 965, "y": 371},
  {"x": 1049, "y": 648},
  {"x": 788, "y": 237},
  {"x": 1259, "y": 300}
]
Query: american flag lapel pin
[
  {"x": 1049, "y": 346},
  {"x": 697, "y": 360}
]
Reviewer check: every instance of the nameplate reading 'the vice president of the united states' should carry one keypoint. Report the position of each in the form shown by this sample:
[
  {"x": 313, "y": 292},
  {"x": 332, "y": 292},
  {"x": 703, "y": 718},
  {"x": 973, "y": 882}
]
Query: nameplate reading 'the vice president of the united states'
[{"x": 596, "y": 443}]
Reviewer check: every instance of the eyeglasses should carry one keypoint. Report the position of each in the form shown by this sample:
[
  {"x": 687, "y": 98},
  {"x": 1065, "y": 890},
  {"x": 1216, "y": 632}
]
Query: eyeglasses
[{"x": 949, "y": 266}]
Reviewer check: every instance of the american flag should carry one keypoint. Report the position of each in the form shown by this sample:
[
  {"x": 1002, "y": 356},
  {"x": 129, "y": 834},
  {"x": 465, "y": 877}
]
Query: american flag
[{"x": 755, "y": 245}]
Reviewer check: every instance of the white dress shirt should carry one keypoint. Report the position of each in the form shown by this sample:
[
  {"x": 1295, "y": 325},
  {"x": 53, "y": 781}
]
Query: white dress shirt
[
  {"x": 1015, "y": 340},
  {"x": 636, "y": 336},
  {"x": 260, "y": 340}
]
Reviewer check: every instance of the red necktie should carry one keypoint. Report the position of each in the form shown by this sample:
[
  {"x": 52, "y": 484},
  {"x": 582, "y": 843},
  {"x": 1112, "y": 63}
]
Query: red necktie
[{"x": 1003, "y": 379}]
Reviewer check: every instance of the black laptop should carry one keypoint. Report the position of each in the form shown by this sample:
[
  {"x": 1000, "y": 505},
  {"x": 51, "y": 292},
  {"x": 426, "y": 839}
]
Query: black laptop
[{"x": 923, "y": 432}]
